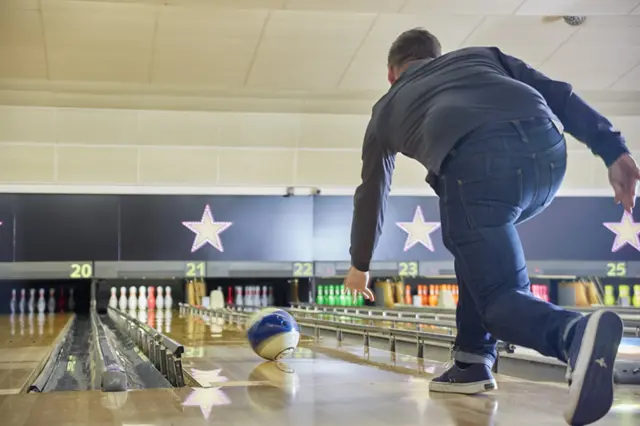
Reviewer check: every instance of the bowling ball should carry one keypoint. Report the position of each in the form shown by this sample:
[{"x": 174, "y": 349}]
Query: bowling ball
[
  {"x": 280, "y": 393},
  {"x": 273, "y": 333}
]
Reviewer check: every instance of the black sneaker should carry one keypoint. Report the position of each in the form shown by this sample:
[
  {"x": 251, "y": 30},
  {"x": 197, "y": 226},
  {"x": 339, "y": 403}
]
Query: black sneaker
[
  {"x": 476, "y": 378},
  {"x": 590, "y": 367}
]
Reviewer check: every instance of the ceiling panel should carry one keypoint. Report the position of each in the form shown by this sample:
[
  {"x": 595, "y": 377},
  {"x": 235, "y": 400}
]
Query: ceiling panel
[
  {"x": 98, "y": 41},
  {"x": 577, "y": 7},
  {"x": 629, "y": 81},
  {"x": 228, "y": 4},
  {"x": 600, "y": 53},
  {"x": 22, "y": 53},
  {"x": 379, "y": 6},
  {"x": 530, "y": 38},
  {"x": 205, "y": 47},
  {"x": 471, "y": 7},
  {"x": 367, "y": 71},
  {"x": 307, "y": 50},
  {"x": 20, "y": 4}
]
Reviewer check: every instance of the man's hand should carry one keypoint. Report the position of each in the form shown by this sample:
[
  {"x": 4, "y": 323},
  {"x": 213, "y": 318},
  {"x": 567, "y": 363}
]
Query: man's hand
[
  {"x": 356, "y": 282},
  {"x": 623, "y": 177}
]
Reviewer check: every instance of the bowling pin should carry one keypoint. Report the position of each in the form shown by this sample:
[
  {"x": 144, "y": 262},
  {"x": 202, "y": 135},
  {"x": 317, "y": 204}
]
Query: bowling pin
[
  {"x": 159, "y": 298},
  {"x": 168, "y": 300},
  {"x": 61, "y": 300},
  {"x": 270, "y": 299},
  {"x": 151, "y": 298},
  {"x": 239, "y": 299},
  {"x": 22, "y": 301},
  {"x": 72, "y": 301},
  {"x": 52, "y": 301},
  {"x": 122, "y": 303},
  {"x": 41, "y": 302},
  {"x": 31, "y": 304},
  {"x": 264, "y": 300},
  {"x": 133, "y": 300},
  {"x": 113, "y": 300},
  {"x": 14, "y": 302},
  {"x": 142, "y": 299}
]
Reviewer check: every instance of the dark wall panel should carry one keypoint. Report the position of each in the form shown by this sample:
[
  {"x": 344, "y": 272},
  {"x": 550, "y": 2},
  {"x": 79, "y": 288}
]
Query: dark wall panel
[
  {"x": 572, "y": 228},
  {"x": 258, "y": 228},
  {"x": 6, "y": 228},
  {"x": 332, "y": 229},
  {"x": 66, "y": 227}
]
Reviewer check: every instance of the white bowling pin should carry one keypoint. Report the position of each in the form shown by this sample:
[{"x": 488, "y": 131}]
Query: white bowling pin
[
  {"x": 133, "y": 300},
  {"x": 113, "y": 300},
  {"x": 159, "y": 298},
  {"x": 31, "y": 304},
  {"x": 239, "y": 299},
  {"x": 264, "y": 301},
  {"x": 52, "y": 300},
  {"x": 72, "y": 301},
  {"x": 13, "y": 303},
  {"x": 270, "y": 298},
  {"x": 168, "y": 300},
  {"x": 122, "y": 303},
  {"x": 41, "y": 302},
  {"x": 22, "y": 301},
  {"x": 142, "y": 298}
]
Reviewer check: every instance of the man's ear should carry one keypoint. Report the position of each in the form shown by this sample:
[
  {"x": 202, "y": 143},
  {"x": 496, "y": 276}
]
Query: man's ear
[{"x": 391, "y": 75}]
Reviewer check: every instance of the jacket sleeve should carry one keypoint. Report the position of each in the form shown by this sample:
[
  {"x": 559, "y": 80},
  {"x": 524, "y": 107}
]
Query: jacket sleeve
[
  {"x": 370, "y": 199},
  {"x": 578, "y": 118}
]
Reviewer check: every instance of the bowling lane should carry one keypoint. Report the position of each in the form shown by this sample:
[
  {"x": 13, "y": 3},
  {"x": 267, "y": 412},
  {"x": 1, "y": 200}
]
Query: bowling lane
[
  {"x": 25, "y": 343},
  {"x": 326, "y": 384}
]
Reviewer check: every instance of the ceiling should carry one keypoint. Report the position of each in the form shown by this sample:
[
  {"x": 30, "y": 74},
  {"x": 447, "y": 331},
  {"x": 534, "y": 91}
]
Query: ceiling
[{"x": 296, "y": 54}]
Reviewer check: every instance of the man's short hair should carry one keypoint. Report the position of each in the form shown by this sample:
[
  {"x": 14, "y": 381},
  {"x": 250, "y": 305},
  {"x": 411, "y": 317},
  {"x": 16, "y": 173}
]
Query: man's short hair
[{"x": 412, "y": 45}]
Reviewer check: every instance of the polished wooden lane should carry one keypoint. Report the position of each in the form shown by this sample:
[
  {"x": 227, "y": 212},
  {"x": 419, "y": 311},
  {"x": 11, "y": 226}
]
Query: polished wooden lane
[
  {"x": 320, "y": 385},
  {"x": 25, "y": 343}
]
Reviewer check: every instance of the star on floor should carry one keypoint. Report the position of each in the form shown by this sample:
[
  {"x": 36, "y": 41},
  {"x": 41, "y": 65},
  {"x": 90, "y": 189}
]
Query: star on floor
[
  {"x": 627, "y": 232},
  {"x": 207, "y": 231},
  {"x": 207, "y": 378},
  {"x": 206, "y": 399},
  {"x": 418, "y": 231}
]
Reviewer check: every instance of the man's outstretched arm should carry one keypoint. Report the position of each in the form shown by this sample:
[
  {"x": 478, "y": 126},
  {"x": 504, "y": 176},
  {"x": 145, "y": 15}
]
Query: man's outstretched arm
[
  {"x": 578, "y": 118},
  {"x": 370, "y": 199}
]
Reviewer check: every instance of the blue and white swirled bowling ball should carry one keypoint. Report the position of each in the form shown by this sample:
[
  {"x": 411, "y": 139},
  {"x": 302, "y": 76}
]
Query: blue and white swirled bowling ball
[{"x": 273, "y": 333}]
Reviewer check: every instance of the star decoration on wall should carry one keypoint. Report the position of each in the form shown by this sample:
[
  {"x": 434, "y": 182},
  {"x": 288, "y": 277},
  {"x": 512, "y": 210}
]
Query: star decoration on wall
[
  {"x": 418, "y": 231},
  {"x": 207, "y": 231},
  {"x": 627, "y": 232}
]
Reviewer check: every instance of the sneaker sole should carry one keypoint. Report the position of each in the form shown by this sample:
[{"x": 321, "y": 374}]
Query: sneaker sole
[
  {"x": 591, "y": 390},
  {"x": 463, "y": 388}
]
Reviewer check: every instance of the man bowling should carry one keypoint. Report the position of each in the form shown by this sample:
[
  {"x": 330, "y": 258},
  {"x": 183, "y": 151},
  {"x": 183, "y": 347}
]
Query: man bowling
[{"x": 489, "y": 129}]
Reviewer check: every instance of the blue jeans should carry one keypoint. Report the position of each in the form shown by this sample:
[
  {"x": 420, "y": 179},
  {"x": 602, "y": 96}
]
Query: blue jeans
[{"x": 498, "y": 176}]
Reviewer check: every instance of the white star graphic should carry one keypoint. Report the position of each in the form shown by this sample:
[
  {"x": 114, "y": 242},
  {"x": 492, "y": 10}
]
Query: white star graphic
[
  {"x": 627, "y": 232},
  {"x": 207, "y": 231},
  {"x": 418, "y": 231},
  {"x": 206, "y": 378},
  {"x": 206, "y": 399}
]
